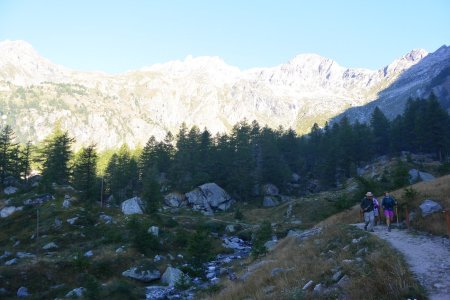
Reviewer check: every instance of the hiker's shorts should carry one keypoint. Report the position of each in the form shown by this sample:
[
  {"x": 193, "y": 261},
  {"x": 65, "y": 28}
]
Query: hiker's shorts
[{"x": 388, "y": 213}]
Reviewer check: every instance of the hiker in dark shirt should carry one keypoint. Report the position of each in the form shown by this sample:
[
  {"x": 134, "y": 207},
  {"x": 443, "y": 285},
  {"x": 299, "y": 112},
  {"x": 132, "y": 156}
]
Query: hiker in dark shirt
[
  {"x": 367, "y": 209},
  {"x": 388, "y": 204}
]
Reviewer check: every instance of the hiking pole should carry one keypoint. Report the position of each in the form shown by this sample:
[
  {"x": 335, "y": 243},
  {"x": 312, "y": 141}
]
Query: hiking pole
[{"x": 396, "y": 214}]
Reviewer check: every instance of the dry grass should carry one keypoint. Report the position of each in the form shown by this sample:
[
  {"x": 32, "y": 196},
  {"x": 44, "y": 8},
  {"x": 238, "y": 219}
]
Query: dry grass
[{"x": 380, "y": 274}]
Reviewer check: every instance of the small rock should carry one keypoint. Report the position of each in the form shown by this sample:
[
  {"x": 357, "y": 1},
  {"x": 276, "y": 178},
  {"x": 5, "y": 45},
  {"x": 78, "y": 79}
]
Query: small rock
[
  {"x": 344, "y": 281},
  {"x": 76, "y": 293},
  {"x": 120, "y": 250},
  {"x": 66, "y": 203},
  {"x": 72, "y": 220},
  {"x": 270, "y": 245},
  {"x": 154, "y": 230},
  {"x": 11, "y": 262},
  {"x": 318, "y": 288},
  {"x": 158, "y": 292},
  {"x": 10, "y": 190},
  {"x": 6, "y": 254},
  {"x": 107, "y": 219},
  {"x": 268, "y": 289},
  {"x": 17, "y": 243},
  {"x": 89, "y": 253},
  {"x": 50, "y": 245},
  {"x": 347, "y": 261},
  {"x": 58, "y": 222},
  {"x": 158, "y": 258},
  {"x": 230, "y": 228},
  {"x": 22, "y": 292},
  {"x": 308, "y": 285},
  {"x": 25, "y": 255},
  {"x": 337, "y": 276},
  {"x": 9, "y": 210}
]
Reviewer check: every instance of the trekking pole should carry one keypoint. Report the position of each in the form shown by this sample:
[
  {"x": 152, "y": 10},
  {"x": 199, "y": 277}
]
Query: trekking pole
[
  {"x": 447, "y": 218},
  {"x": 396, "y": 214}
]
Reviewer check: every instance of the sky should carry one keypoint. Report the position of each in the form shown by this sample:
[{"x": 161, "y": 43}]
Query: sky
[{"x": 117, "y": 36}]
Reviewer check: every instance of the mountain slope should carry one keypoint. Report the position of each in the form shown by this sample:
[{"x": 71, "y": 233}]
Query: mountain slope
[{"x": 204, "y": 91}]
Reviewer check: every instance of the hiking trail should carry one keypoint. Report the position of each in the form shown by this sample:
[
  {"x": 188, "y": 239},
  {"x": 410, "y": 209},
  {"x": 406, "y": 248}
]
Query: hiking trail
[{"x": 428, "y": 257}]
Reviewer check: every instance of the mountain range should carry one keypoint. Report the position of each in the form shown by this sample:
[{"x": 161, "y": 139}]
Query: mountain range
[{"x": 109, "y": 110}]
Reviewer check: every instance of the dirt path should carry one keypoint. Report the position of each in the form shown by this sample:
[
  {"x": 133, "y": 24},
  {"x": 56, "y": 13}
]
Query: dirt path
[{"x": 428, "y": 257}]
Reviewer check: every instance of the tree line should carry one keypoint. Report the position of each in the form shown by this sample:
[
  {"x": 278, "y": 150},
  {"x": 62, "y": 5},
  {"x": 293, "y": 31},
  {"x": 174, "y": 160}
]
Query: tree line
[{"x": 240, "y": 161}]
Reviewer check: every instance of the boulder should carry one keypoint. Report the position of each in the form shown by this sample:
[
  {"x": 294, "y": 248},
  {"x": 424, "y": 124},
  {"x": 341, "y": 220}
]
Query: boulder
[
  {"x": 141, "y": 274},
  {"x": 11, "y": 262},
  {"x": 72, "y": 221},
  {"x": 50, "y": 246},
  {"x": 22, "y": 292},
  {"x": 270, "y": 245},
  {"x": 132, "y": 206},
  {"x": 171, "y": 276},
  {"x": 429, "y": 207},
  {"x": 209, "y": 197},
  {"x": 39, "y": 199},
  {"x": 416, "y": 175},
  {"x": 76, "y": 293},
  {"x": 66, "y": 203},
  {"x": 154, "y": 230},
  {"x": 9, "y": 210},
  {"x": 270, "y": 190},
  {"x": 10, "y": 190},
  {"x": 25, "y": 255},
  {"x": 270, "y": 201},
  {"x": 106, "y": 219},
  {"x": 175, "y": 200}
]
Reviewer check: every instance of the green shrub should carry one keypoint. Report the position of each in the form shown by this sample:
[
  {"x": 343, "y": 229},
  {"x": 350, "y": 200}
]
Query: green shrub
[
  {"x": 199, "y": 248},
  {"x": 263, "y": 235}
]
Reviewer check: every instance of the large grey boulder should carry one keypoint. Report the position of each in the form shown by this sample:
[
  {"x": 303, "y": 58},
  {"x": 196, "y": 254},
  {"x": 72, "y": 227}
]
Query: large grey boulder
[
  {"x": 416, "y": 175},
  {"x": 132, "y": 206},
  {"x": 270, "y": 189},
  {"x": 171, "y": 276},
  {"x": 9, "y": 210},
  {"x": 175, "y": 200},
  {"x": 429, "y": 207},
  {"x": 209, "y": 197},
  {"x": 142, "y": 274}
]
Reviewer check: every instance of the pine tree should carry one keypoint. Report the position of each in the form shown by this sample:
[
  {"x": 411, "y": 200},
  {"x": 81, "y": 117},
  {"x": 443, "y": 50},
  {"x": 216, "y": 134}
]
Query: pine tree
[
  {"x": 380, "y": 129},
  {"x": 55, "y": 157},
  {"x": 85, "y": 173},
  {"x": 8, "y": 153}
]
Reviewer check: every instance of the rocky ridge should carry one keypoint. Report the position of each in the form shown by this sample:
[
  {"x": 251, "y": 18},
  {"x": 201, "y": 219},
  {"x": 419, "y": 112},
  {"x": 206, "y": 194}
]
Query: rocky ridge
[{"x": 202, "y": 91}]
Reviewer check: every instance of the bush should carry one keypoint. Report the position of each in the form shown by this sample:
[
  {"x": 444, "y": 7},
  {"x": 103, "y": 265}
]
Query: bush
[
  {"x": 141, "y": 240},
  {"x": 238, "y": 214},
  {"x": 263, "y": 235},
  {"x": 199, "y": 248}
]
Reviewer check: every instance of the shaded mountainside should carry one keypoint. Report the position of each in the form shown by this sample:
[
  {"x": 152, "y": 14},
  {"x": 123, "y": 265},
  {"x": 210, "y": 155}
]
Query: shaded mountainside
[{"x": 204, "y": 91}]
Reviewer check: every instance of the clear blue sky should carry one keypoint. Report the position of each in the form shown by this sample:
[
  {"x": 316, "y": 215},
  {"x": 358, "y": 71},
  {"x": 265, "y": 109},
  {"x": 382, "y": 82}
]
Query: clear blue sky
[{"x": 116, "y": 36}]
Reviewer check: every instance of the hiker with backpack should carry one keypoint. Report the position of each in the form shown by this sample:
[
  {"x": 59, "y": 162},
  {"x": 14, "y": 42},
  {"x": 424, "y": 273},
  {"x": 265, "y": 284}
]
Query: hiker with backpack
[
  {"x": 376, "y": 211},
  {"x": 367, "y": 208},
  {"x": 388, "y": 203}
]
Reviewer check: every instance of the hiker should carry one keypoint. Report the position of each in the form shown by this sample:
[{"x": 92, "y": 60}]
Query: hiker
[
  {"x": 367, "y": 209},
  {"x": 388, "y": 204},
  {"x": 376, "y": 211}
]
